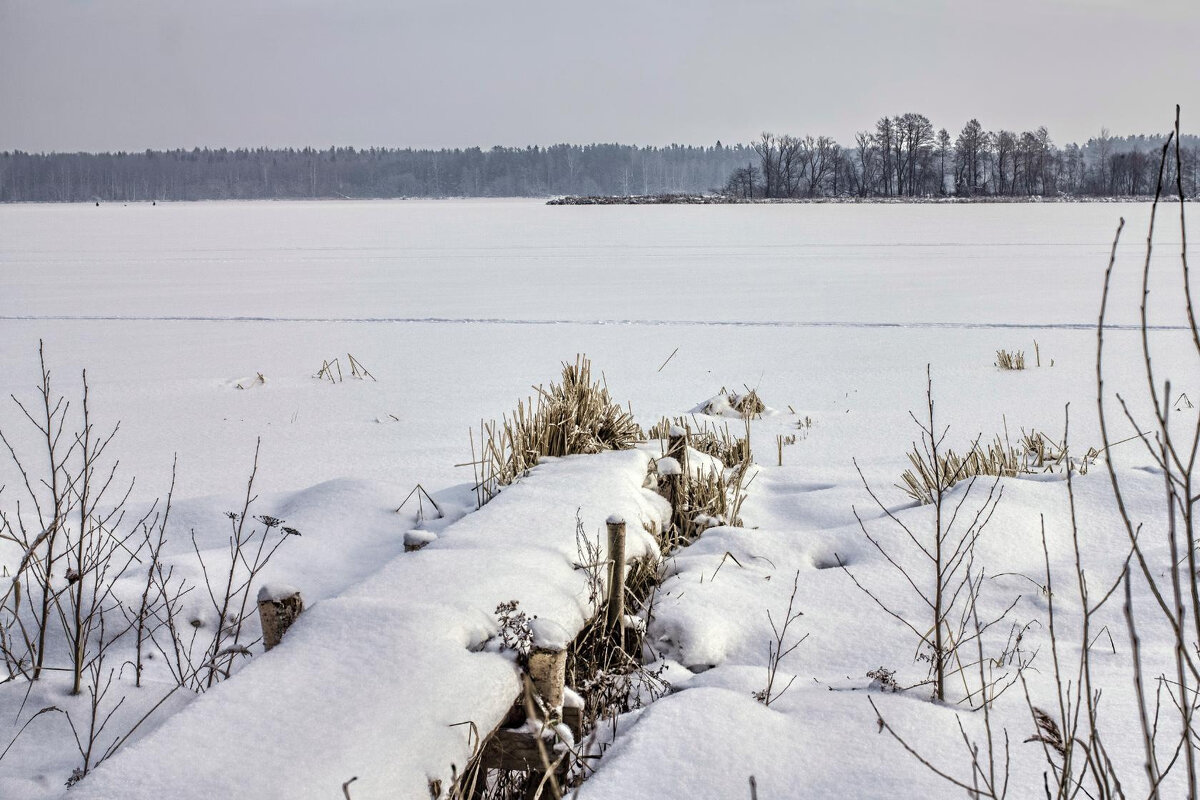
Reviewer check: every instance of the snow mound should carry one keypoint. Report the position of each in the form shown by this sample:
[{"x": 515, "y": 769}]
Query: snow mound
[
  {"x": 737, "y": 405},
  {"x": 392, "y": 665}
]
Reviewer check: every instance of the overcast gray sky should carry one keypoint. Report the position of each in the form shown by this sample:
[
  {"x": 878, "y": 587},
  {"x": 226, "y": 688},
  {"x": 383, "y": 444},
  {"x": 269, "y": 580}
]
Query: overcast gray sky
[{"x": 123, "y": 74}]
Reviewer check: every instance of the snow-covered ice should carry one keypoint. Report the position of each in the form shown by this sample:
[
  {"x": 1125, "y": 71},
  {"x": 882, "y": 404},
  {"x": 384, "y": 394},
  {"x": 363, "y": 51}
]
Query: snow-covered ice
[{"x": 457, "y": 308}]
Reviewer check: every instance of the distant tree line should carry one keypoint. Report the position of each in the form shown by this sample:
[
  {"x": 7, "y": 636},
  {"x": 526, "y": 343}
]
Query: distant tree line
[
  {"x": 902, "y": 156},
  {"x": 206, "y": 174}
]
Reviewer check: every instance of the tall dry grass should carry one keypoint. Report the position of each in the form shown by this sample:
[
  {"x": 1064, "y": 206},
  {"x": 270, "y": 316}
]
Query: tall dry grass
[
  {"x": 1034, "y": 453},
  {"x": 575, "y": 416}
]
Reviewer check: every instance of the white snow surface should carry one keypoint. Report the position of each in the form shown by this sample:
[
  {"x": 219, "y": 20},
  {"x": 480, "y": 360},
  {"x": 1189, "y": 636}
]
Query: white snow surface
[
  {"x": 458, "y": 308},
  {"x": 820, "y": 737},
  {"x": 369, "y": 683},
  {"x": 274, "y": 592},
  {"x": 521, "y": 260},
  {"x": 668, "y": 466}
]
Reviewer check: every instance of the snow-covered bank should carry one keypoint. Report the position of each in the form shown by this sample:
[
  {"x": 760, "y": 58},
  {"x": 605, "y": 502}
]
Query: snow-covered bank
[
  {"x": 370, "y": 683},
  {"x": 820, "y": 739}
]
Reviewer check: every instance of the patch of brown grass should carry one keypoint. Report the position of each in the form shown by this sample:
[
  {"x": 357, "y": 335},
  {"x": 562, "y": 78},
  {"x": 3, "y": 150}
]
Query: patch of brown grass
[{"x": 574, "y": 416}]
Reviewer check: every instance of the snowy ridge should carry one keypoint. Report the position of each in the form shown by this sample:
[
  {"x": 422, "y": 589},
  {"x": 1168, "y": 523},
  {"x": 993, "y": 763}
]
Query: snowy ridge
[{"x": 370, "y": 683}]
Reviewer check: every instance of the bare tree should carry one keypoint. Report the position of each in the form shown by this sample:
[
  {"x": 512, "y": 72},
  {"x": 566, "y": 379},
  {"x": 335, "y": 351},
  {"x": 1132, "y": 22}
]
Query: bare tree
[
  {"x": 792, "y": 166},
  {"x": 884, "y": 140},
  {"x": 767, "y": 148},
  {"x": 970, "y": 153},
  {"x": 913, "y": 145},
  {"x": 868, "y": 162},
  {"x": 944, "y": 147},
  {"x": 1005, "y": 143},
  {"x": 820, "y": 157}
]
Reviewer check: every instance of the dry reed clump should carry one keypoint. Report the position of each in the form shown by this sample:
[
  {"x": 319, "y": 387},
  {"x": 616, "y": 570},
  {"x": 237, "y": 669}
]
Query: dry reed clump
[
  {"x": 715, "y": 498},
  {"x": 747, "y": 405},
  {"x": 716, "y": 441},
  {"x": 704, "y": 499},
  {"x": 1035, "y": 452},
  {"x": 331, "y": 367},
  {"x": 1010, "y": 361},
  {"x": 576, "y": 416}
]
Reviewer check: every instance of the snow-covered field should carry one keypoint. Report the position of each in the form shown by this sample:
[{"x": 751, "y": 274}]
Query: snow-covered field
[{"x": 457, "y": 307}]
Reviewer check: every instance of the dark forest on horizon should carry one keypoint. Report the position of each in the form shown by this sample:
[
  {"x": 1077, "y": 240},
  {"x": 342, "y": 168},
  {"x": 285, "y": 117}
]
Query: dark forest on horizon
[{"x": 900, "y": 157}]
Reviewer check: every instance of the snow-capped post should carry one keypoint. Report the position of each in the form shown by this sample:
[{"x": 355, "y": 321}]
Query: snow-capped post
[
  {"x": 616, "y": 578},
  {"x": 279, "y": 605},
  {"x": 677, "y": 446},
  {"x": 670, "y": 481},
  {"x": 416, "y": 539},
  {"x": 548, "y": 667}
]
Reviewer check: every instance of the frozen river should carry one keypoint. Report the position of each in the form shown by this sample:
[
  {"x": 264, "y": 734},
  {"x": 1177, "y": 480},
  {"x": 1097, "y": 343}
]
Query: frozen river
[
  {"x": 838, "y": 310},
  {"x": 516, "y": 260}
]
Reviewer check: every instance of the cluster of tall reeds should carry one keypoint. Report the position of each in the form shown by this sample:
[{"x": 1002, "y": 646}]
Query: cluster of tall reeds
[
  {"x": 1034, "y": 452},
  {"x": 574, "y": 416},
  {"x": 1010, "y": 360},
  {"x": 717, "y": 441}
]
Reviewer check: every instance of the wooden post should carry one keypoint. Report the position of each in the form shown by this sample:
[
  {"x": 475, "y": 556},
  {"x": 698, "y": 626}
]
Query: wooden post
[
  {"x": 616, "y": 578},
  {"x": 548, "y": 672},
  {"x": 572, "y": 717},
  {"x": 515, "y": 750},
  {"x": 677, "y": 447},
  {"x": 670, "y": 481},
  {"x": 279, "y": 606},
  {"x": 536, "y": 749}
]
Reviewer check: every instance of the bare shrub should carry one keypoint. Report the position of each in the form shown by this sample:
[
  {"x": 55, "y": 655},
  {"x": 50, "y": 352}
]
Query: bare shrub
[
  {"x": 1069, "y": 732},
  {"x": 780, "y": 648},
  {"x": 73, "y": 523},
  {"x": 1169, "y": 738},
  {"x": 948, "y": 585},
  {"x": 251, "y": 547},
  {"x": 76, "y": 540},
  {"x": 331, "y": 370},
  {"x": 1069, "y": 729}
]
